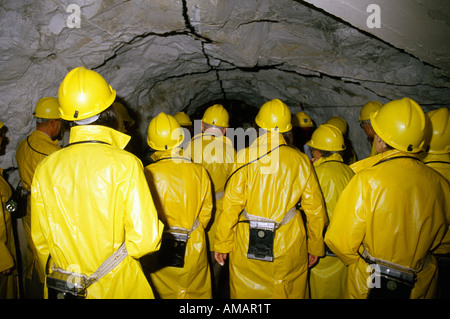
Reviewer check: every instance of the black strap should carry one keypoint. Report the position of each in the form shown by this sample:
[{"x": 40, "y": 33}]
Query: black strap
[
  {"x": 29, "y": 145},
  {"x": 441, "y": 162},
  {"x": 393, "y": 158},
  {"x": 175, "y": 157},
  {"x": 86, "y": 142},
  {"x": 333, "y": 161},
  {"x": 225, "y": 186}
]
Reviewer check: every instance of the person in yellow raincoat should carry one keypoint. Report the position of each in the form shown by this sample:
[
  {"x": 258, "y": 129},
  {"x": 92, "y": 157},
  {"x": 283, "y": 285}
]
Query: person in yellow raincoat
[
  {"x": 186, "y": 123},
  {"x": 394, "y": 214},
  {"x": 302, "y": 128},
  {"x": 348, "y": 155},
  {"x": 364, "y": 121},
  {"x": 438, "y": 158},
  {"x": 183, "y": 198},
  {"x": 42, "y": 142},
  {"x": 91, "y": 197},
  {"x": 9, "y": 278},
  {"x": 328, "y": 278},
  {"x": 269, "y": 179},
  {"x": 214, "y": 151}
]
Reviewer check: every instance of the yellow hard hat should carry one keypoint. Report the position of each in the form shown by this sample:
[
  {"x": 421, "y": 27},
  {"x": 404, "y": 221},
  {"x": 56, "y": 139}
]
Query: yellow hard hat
[
  {"x": 274, "y": 116},
  {"x": 327, "y": 137},
  {"x": 216, "y": 115},
  {"x": 369, "y": 108},
  {"x": 401, "y": 124},
  {"x": 440, "y": 127},
  {"x": 84, "y": 93},
  {"x": 164, "y": 132},
  {"x": 47, "y": 108},
  {"x": 338, "y": 122},
  {"x": 183, "y": 119},
  {"x": 1, "y": 124},
  {"x": 301, "y": 119}
]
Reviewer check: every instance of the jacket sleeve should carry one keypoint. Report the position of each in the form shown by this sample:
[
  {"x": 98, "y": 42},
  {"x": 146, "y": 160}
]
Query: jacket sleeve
[
  {"x": 143, "y": 229},
  {"x": 347, "y": 228},
  {"x": 233, "y": 203},
  {"x": 39, "y": 225},
  {"x": 207, "y": 204},
  {"x": 6, "y": 258},
  {"x": 316, "y": 217}
]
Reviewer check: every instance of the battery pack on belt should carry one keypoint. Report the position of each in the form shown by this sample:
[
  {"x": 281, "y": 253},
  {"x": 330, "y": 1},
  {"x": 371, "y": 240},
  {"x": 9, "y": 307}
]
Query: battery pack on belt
[
  {"x": 173, "y": 245},
  {"x": 262, "y": 234},
  {"x": 261, "y": 240},
  {"x": 389, "y": 280}
]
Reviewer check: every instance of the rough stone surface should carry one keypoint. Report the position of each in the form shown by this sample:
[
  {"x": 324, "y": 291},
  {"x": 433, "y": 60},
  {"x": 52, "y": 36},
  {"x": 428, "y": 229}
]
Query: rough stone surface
[{"x": 168, "y": 55}]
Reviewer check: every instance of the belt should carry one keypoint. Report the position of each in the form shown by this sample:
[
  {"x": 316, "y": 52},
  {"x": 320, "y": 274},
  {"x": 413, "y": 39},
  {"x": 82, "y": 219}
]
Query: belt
[
  {"x": 185, "y": 230},
  {"x": 219, "y": 195},
  {"x": 422, "y": 264},
  {"x": 286, "y": 218},
  {"x": 109, "y": 264}
]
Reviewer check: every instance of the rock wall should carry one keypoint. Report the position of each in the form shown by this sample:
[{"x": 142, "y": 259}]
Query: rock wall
[{"x": 170, "y": 55}]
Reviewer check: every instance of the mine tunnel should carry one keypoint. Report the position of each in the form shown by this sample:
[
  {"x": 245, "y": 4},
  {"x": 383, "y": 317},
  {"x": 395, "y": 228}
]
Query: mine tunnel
[
  {"x": 320, "y": 58},
  {"x": 325, "y": 58}
]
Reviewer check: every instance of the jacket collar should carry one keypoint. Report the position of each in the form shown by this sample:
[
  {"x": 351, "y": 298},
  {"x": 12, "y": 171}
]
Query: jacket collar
[
  {"x": 437, "y": 157},
  {"x": 373, "y": 160},
  {"x": 335, "y": 157},
  {"x": 44, "y": 135},
  {"x": 99, "y": 133},
  {"x": 176, "y": 154},
  {"x": 264, "y": 144}
]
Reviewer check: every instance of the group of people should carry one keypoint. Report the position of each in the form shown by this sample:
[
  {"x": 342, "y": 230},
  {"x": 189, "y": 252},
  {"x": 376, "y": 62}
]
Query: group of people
[{"x": 293, "y": 215}]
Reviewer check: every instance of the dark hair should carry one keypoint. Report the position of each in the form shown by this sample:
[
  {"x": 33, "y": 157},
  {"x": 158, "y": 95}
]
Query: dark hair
[
  {"x": 289, "y": 137},
  {"x": 327, "y": 153},
  {"x": 108, "y": 118}
]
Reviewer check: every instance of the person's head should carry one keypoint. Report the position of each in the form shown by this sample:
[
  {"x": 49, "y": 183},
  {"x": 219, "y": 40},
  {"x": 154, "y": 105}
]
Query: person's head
[
  {"x": 274, "y": 116},
  {"x": 164, "y": 133},
  {"x": 216, "y": 117},
  {"x": 439, "y": 139},
  {"x": 183, "y": 119},
  {"x": 86, "y": 98},
  {"x": 364, "y": 117},
  {"x": 185, "y": 122},
  {"x": 124, "y": 118},
  {"x": 325, "y": 141},
  {"x": 401, "y": 125},
  {"x": 340, "y": 123},
  {"x": 47, "y": 117},
  {"x": 302, "y": 120}
]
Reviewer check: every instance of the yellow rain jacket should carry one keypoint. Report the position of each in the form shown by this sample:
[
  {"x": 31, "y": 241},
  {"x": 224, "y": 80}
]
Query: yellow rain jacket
[
  {"x": 9, "y": 284},
  {"x": 270, "y": 187},
  {"x": 30, "y": 152},
  {"x": 399, "y": 210},
  {"x": 86, "y": 200},
  {"x": 328, "y": 278},
  {"x": 441, "y": 164},
  {"x": 182, "y": 192},
  {"x": 217, "y": 155}
]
